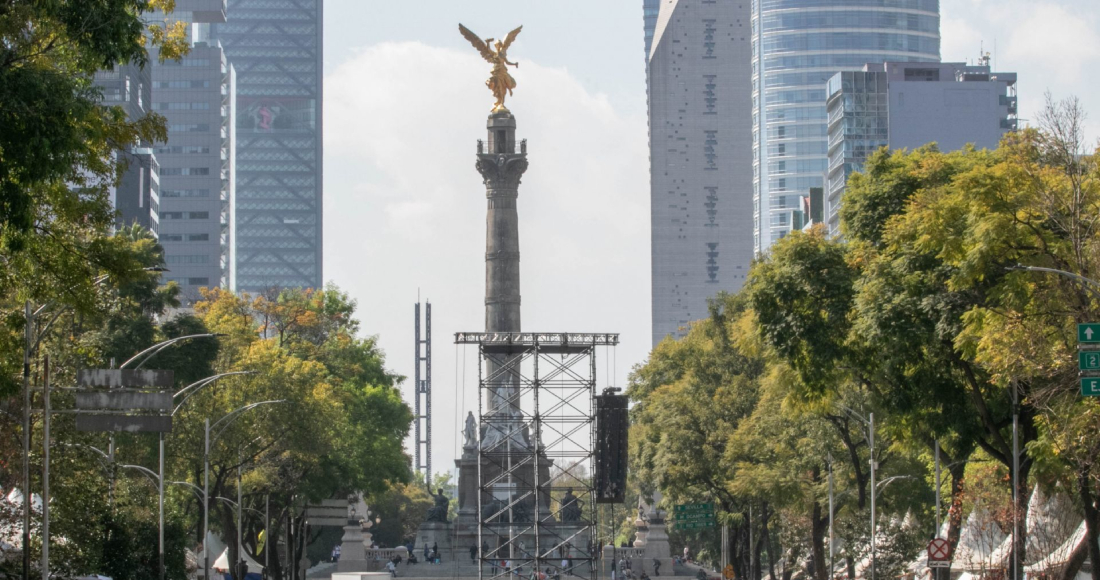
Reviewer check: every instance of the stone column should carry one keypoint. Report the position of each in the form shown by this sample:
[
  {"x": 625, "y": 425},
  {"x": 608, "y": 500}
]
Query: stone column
[{"x": 501, "y": 165}]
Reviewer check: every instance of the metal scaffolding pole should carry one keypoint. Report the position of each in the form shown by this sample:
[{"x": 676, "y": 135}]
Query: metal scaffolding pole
[{"x": 536, "y": 407}]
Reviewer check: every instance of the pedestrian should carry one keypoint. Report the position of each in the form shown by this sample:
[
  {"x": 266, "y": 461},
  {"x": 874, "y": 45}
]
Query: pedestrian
[
  {"x": 565, "y": 565},
  {"x": 687, "y": 554},
  {"x": 656, "y": 567},
  {"x": 426, "y": 553},
  {"x": 507, "y": 567},
  {"x": 392, "y": 569},
  {"x": 473, "y": 554},
  {"x": 336, "y": 553},
  {"x": 612, "y": 569}
]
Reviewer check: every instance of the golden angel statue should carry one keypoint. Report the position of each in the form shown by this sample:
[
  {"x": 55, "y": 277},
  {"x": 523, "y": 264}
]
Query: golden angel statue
[{"x": 500, "y": 82}]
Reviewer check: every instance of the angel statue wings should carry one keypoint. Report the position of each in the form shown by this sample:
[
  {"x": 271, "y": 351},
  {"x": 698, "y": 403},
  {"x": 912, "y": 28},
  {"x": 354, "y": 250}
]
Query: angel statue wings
[{"x": 496, "y": 52}]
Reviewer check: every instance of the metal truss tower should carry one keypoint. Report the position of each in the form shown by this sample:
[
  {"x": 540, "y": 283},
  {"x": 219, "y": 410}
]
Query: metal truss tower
[
  {"x": 536, "y": 408},
  {"x": 422, "y": 382}
]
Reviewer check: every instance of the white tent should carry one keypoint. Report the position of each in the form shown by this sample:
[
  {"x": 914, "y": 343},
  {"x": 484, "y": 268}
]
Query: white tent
[
  {"x": 222, "y": 563},
  {"x": 11, "y": 535},
  {"x": 979, "y": 537},
  {"x": 1050, "y": 522}
]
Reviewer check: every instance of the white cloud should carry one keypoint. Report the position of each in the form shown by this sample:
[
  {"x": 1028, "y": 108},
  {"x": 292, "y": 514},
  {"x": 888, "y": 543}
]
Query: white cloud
[{"x": 405, "y": 208}]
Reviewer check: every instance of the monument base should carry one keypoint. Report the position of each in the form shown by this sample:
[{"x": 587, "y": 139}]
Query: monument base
[{"x": 437, "y": 534}]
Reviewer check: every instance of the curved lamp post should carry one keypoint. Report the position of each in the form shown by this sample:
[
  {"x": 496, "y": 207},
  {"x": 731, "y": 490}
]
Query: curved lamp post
[
  {"x": 31, "y": 343},
  {"x": 228, "y": 419},
  {"x": 869, "y": 421}
]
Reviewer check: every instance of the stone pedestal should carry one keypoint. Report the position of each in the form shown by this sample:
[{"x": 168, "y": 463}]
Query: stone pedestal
[
  {"x": 656, "y": 545},
  {"x": 352, "y": 550},
  {"x": 434, "y": 534}
]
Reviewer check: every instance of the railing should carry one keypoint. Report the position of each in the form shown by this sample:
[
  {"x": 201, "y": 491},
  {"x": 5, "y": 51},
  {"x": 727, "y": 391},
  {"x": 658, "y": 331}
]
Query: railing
[
  {"x": 541, "y": 338},
  {"x": 517, "y": 148},
  {"x": 623, "y": 553}
]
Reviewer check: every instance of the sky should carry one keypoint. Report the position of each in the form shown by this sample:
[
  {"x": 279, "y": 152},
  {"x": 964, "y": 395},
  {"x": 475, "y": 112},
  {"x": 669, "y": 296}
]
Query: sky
[{"x": 405, "y": 103}]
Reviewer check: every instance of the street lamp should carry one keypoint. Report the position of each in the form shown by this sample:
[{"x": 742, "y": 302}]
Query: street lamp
[
  {"x": 31, "y": 343},
  {"x": 187, "y": 392},
  {"x": 1092, "y": 286},
  {"x": 870, "y": 422},
  {"x": 228, "y": 419}
]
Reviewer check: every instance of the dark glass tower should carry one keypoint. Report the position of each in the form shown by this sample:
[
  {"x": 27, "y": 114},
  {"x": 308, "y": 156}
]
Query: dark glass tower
[{"x": 276, "y": 48}]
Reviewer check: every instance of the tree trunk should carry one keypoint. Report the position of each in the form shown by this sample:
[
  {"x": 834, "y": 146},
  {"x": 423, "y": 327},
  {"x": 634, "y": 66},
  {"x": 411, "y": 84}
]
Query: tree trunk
[
  {"x": 1092, "y": 520},
  {"x": 819, "y": 527},
  {"x": 766, "y": 532}
]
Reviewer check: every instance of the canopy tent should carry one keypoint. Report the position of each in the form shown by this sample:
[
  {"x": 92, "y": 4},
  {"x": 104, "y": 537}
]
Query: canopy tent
[
  {"x": 979, "y": 538},
  {"x": 1050, "y": 522},
  {"x": 11, "y": 533},
  {"x": 222, "y": 563}
]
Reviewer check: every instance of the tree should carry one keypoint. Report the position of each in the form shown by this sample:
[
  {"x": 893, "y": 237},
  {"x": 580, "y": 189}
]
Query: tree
[
  {"x": 336, "y": 433},
  {"x": 53, "y": 132}
]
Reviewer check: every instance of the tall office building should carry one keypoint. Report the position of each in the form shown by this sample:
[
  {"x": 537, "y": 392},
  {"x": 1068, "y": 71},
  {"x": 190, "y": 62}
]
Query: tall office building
[
  {"x": 276, "y": 49},
  {"x": 907, "y": 105},
  {"x": 700, "y": 141},
  {"x": 136, "y": 197},
  {"x": 798, "y": 45},
  {"x": 195, "y": 95}
]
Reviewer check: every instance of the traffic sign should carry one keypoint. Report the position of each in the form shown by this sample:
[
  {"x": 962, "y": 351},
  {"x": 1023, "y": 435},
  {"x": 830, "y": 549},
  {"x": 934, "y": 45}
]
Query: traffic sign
[
  {"x": 124, "y": 423},
  {"x": 939, "y": 553},
  {"x": 697, "y": 525},
  {"x": 1088, "y": 360},
  {"x": 1088, "y": 332},
  {"x": 1090, "y": 386},
  {"x": 693, "y": 507},
  {"x": 117, "y": 378}
]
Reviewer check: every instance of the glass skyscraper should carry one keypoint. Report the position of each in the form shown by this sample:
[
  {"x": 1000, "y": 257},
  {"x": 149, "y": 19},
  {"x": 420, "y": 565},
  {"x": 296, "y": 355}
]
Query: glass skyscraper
[
  {"x": 276, "y": 48},
  {"x": 650, "y": 8},
  {"x": 798, "y": 45}
]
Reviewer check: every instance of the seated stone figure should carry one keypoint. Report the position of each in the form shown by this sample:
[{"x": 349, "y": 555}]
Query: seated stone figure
[
  {"x": 438, "y": 512},
  {"x": 570, "y": 507}
]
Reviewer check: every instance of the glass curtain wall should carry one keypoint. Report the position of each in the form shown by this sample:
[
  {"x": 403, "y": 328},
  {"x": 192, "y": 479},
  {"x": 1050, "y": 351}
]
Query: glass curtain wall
[{"x": 798, "y": 45}]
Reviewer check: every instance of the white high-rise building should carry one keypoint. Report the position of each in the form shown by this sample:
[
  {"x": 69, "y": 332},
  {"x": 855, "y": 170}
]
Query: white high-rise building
[{"x": 700, "y": 137}]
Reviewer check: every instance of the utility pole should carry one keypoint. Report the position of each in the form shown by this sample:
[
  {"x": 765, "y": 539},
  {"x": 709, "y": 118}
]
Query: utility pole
[{"x": 874, "y": 466}]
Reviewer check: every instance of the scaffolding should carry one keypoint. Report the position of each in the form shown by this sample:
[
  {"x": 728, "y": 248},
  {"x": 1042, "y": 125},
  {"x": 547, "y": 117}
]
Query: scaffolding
[
  {"x": 536, "y": 410},
  {"x": 422, "y": 384}
]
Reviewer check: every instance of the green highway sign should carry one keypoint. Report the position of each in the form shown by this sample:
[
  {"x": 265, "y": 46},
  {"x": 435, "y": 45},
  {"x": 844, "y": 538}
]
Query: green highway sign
[
  {"x": 695, "y": 525},
  {"x": 1088, "y": 332},
  {"x": 693, "y": 507},
  {"x": 1088, "y": 360},
  {"x": 1090, "y": 386},
  {"x": 694, "y": 516}
]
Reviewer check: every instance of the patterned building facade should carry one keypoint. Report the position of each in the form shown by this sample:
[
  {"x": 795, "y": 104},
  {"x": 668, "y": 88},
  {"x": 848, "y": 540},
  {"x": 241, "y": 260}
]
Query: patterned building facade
[
  {"x": 700, "y": 157},
  {"x": 275, "y": 47}
]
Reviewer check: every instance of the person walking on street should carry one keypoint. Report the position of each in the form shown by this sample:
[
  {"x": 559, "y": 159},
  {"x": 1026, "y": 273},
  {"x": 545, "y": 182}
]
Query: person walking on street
[
  {"x": 656, "y": 567},
  {"x": 392, "y": 569},
  {"x": 473, "y": 554}
]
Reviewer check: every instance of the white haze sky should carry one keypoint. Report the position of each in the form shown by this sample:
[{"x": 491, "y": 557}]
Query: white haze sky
[{"x": 405, "y": 208}]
